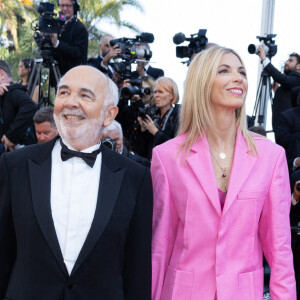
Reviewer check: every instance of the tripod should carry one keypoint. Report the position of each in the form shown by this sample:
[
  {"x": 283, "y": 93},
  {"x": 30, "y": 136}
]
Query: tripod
[
  {"x": 264, "y": 93},
  {"x": 45, "y": 61}
]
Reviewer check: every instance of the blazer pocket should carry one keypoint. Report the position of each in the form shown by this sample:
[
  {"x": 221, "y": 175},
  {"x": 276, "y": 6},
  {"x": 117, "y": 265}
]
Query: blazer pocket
[
  {"x": 251, "y": 284},
  {"x": 247, "y": 195},
  {"x": 177, "y": 285}
]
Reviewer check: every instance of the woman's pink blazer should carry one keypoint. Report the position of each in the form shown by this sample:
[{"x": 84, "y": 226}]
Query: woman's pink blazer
[{"x": 200, "y": 252}]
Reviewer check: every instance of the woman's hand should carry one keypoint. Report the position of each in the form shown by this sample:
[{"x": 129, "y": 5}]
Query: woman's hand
[{"x": 149, "y": 124}]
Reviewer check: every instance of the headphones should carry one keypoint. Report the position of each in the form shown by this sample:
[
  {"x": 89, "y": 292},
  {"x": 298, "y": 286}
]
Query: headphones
[{"x": 76, "y": 6}]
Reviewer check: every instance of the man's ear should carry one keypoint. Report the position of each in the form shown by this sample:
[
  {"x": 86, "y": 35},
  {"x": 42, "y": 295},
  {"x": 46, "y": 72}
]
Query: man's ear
[
  {"x": 110, "y": 114},
  {"x": 298, "y": 67}
]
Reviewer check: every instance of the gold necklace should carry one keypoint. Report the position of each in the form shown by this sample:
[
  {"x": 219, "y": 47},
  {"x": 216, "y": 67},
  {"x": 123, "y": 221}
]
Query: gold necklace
[
  {"x": 221, "y": 154},
  {"x": 223, "y": 169}
]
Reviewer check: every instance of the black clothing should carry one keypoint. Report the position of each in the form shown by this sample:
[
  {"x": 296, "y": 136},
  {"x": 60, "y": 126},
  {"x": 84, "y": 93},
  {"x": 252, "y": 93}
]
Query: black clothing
[
  {"x": 96, "y": 63},
  {"x": 73, "y": 46},
  {"x": 282, "y": 99},
  {"x": 115, "y": 260},
  {"x": 137, "y": 158},
  {"x": 167, "y": 125},
  {"x": 288, "y": 133},
  {"x": 153, "y": 72},
  {"x": 16, "y": 113}
]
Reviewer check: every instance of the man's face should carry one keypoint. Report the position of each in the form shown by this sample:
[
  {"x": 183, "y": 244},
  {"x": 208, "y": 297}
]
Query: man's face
[
  {"x": 105, "y": 46},
  {"x": 66, "y": 7},
  {"x": 45, "y": 132},
  {"x": 290, "y": 65},
  {"x": 79, "y": 110},
  {"x": 116, "y": 136}
]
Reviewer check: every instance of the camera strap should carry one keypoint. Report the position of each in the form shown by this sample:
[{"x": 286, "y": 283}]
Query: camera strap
[
  {"x": 66, "y": 23},
  {"x": 165, "y": 120}
]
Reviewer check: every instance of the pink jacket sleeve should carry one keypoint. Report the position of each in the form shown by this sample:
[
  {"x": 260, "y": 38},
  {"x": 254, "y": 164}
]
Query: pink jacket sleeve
[
  {"x": 165, "y": 223},
  {"x": 275, "y": 236}
]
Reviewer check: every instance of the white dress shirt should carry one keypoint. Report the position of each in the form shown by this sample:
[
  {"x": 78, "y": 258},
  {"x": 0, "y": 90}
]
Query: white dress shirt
[{"x": 74, "y": 192}]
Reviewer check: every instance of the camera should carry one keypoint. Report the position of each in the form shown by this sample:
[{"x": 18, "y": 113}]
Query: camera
[
  {"x": 298, "y": 187},
  {"x": 198, "y": 42},
  {"x": 47, "y": 24},
  {"x": 136, "y": 88},
  {"x": 267, "y": 43},
  {"x": 150, "y": 110},
  {"x": 132, "y": 50},
  {"x": 109, "y": 143}
]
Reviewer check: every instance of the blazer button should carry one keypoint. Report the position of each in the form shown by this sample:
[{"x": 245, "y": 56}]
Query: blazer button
[{"x": 70, "y": 286}]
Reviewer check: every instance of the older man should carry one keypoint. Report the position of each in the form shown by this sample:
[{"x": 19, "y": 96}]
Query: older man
[{"x": 78, "y": 225}]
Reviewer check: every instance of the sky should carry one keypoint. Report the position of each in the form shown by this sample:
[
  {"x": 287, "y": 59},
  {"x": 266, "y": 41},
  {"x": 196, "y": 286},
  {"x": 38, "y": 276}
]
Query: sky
[{"x": 231, "y": 23}]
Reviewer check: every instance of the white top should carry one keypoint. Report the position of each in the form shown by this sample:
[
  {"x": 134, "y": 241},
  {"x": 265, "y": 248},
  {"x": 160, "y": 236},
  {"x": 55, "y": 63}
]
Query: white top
[{"x": 74, "y": 192}]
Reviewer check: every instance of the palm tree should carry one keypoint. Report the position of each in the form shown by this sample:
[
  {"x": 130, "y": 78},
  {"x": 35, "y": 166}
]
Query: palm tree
[
  {"x": 95, "y": 11},
  {"x": 12, "y": 15}
]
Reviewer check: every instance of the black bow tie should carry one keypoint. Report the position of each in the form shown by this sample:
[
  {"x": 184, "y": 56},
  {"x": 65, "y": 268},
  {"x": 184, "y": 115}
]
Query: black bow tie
[{"x": 89, "y": 158}]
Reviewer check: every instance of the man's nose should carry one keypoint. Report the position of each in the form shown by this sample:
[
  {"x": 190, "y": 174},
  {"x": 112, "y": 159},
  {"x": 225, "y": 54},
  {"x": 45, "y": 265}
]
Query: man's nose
[{"x": 72, "y": 101}]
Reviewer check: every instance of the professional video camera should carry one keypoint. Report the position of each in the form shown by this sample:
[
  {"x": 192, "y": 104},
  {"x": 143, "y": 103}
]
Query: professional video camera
[
  {"x": 132, "y": 50},
  {"x": 127, "y": 92},
  {"x": 268, "y": 44},
  {"x": 45, "y": 25},
  {"x": 198, "y": 42}
]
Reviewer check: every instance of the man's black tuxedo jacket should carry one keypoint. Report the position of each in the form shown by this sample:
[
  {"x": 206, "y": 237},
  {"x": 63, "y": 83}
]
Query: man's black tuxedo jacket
[{"x": 115, "y": 261}]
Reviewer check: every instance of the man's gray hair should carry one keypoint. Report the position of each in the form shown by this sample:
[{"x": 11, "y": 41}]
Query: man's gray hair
[
  {"x": 111, "y": 92},
  {"x": 5, "y": 67},
  {"x": 113, "y": 126}
]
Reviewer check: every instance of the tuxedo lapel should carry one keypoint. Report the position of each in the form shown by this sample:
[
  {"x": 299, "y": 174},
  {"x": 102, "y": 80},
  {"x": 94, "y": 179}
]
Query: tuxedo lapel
[
  {"x": 110, "y": 183},
  {"x": 40, "y": 181},
  {"x": 243, "y": 163},
  {"x": 200, "y": 162}
]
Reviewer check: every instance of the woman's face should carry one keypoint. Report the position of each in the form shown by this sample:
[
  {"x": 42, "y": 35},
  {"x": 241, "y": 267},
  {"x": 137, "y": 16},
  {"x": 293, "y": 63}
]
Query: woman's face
[
  {"x": 22, "y": 71},
  {"x": 163, "y": 98},
  {"x": 146, "y": 98},
  {"x": 230, "y": 87}
]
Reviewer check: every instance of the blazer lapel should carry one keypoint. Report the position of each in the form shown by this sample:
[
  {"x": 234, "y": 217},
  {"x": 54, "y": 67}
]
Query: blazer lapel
[
  {"x": 200, "y": 162},
  {"x": 110, "y": 183},
  {"x": 243, "y": 163},
  {"x": 40, "y": 180}
]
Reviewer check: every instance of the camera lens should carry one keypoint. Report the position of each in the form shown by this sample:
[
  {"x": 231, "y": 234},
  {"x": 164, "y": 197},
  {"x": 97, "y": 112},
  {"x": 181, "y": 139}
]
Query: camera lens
[{"x": 298, "y": 187}]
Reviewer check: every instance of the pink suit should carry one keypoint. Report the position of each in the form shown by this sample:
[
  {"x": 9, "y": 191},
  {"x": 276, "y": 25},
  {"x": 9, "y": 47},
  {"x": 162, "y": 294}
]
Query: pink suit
[{"x": 199, "y": 251}]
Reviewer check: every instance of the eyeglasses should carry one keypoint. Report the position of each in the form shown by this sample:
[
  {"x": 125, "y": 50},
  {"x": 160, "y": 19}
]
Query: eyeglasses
[{"x": 65, "y": 5}]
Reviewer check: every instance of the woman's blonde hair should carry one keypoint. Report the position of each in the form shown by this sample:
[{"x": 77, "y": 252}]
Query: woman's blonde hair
[
  {"x": 196, "y": 111},
  {"x": 168, "y": 85}
]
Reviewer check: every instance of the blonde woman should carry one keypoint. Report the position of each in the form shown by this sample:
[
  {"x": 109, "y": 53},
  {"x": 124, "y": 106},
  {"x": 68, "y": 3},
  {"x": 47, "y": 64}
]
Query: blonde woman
[
  {"x": 221, "y": 195},
  {"x": 165, "y": 126}
]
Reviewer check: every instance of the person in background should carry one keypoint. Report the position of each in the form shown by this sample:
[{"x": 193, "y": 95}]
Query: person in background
[
  {"x": 165, "y": 126},
  {"x": 45, "y": 127},
  {"x": 114, "y": 133},
  {"x": 25, "y": 72},
  {"x": 221, "y": 195},
  {"x": 16, "y": 111}
]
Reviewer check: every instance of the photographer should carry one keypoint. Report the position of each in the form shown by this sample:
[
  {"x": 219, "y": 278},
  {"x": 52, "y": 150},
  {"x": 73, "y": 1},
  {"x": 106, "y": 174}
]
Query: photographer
[
  {"x": 139, "y": 92},
  {"x": 16, "y": 111},
  {"x": 71, "y": 45},
  {"x": 143, "y": 67},
  {"x": 287, "y": 81},
  {"x": 156, "y": 132},
  {"x": 102, "y": 62},
  {"x": 112, "y": 136}
]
